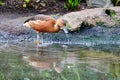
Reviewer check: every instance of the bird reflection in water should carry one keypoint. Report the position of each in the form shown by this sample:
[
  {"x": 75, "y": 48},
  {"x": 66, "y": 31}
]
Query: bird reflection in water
[
  {"x": 44, "y": 63},
  {"x": 45, "y": 58}
]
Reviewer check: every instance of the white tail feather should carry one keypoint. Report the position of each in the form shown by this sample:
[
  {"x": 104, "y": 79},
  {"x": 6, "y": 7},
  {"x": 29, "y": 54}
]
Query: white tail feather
[{"x": 26, "y": 25}]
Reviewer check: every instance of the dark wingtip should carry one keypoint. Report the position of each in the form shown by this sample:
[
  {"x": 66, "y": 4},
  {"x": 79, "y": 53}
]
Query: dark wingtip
[{"x": 32, "y": 18}]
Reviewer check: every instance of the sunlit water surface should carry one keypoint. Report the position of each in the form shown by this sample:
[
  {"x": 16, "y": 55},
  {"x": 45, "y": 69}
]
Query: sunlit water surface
[{"x": 23, "y": 61}]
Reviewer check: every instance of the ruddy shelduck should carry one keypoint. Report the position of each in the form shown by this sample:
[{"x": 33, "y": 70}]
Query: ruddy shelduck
[{"x": 45, "y": 24}]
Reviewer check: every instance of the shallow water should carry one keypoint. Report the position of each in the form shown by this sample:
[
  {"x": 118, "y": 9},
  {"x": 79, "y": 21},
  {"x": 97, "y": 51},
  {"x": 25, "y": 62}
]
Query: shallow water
[{"x": 23, "y": 61}]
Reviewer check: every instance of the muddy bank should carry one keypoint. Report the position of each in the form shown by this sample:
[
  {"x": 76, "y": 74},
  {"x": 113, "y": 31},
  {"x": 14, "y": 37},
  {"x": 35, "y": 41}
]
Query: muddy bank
[
  {"x": 37, "y": 6},
  {"x": 11, "y": 25}
]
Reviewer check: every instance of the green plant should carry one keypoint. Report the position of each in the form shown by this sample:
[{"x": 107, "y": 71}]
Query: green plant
[
  {"x": 2, "y": 76},
  {"x": 1, "y": 2},
  {"x": 26, "y": 2},
  {"x": 110, "y": 12},
  {"x": 117, "y": 1},
  {"x": 72, "y": 4}
]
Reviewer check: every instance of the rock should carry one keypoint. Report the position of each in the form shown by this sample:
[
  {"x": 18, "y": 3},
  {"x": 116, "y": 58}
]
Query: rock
[
  {"x": 13, "y": 26},
  {"x": 43, "y": 4},
  {"x": 43, "y": 10},
  {"x": 99, "y": 3},
  {"x": 92, "y": 17}
]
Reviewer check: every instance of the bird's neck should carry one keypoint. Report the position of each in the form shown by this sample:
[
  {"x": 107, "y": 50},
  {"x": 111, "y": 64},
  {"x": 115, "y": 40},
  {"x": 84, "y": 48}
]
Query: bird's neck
[{"x": 56, "y": 28}]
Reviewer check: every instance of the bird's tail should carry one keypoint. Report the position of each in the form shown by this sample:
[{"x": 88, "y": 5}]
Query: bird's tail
[{"x": 30, "y": 19}]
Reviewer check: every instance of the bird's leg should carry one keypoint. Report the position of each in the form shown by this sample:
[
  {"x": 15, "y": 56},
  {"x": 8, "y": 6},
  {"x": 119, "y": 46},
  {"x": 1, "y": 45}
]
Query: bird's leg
[
  {"x": 38, "y": 39},
  {"x": 42, "y": 38}
]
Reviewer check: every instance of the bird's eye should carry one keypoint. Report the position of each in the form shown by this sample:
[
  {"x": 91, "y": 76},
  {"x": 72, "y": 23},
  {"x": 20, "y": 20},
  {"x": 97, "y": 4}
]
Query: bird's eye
[
  {"x": 64, "y": 22},
  {"x": 58, "y": 25}
]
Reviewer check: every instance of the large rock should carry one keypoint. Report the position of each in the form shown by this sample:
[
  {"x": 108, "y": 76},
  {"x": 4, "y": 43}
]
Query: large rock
[
  {"x": 91, "y": 17},
  {"x": 99, "y": 3}
]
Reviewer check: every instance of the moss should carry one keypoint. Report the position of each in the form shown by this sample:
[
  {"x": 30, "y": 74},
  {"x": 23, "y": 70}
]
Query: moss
[
  {"x": 68, "y": 25},
  {"x": 110, "y": 12},
  {"x": 116, "y": 2}
]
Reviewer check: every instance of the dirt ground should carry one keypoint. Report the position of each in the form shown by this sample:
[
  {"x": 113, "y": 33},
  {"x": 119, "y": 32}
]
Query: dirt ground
[
  {"x": 41, "y": 7},
  {"x": 44, "y": 7}
]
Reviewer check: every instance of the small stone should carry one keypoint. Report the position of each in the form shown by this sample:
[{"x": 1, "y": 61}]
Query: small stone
[
  {"x": 43, "y": 10},
  {"x": 91, "y": 16},
  {"x": 43, "y": 4},
  {"x": 38, "y": 0}
]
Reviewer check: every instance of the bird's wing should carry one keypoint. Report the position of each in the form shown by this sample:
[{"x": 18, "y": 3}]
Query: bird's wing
[
  {"x": 38, "y": 24},
  {"x": 43, "y": 17}
]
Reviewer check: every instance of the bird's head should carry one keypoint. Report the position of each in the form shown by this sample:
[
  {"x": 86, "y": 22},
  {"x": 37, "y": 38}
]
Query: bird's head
[{"x": 61, "y": 23}]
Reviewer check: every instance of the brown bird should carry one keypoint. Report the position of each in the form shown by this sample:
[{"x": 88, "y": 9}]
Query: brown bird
[{"x": 45, "y": 24}]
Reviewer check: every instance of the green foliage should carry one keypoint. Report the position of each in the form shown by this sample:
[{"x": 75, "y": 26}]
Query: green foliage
[
  {"x": 113, "y": 13},
  {"x": 72, "y": 4},
  {"x": 45, "y": 74},
  {"x": 113, "y": 16},
  {"x": 68, "y": 25},
  {"x": 25, "y": 4},
  {"x": 117, "y": 1},
  {"x": 2, "y": 76},
  {"x": 1, "y": 2},
  {"x": 110, "y": 12},
  {"x": 27, "y": 1}
]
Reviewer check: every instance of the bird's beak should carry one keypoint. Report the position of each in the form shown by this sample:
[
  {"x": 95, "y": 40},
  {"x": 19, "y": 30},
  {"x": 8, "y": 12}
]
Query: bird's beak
[{"x": 64, "y": 29}]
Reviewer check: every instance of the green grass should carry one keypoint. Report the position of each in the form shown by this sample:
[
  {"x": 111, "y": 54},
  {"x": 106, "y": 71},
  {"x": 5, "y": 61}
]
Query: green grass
[
  {"x": 117, "y": 1},
  {"x": 1, "y": 2},
  {"x": 72, "y": 4}
]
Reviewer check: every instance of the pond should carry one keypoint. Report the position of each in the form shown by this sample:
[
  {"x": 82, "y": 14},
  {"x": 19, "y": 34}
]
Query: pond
[{"x": 23, "y": 61}]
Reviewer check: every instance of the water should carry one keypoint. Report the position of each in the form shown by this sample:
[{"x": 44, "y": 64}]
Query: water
[{"x": 22, "y": 61}]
